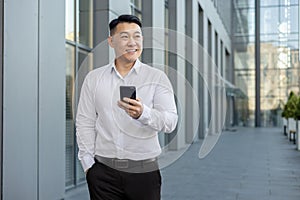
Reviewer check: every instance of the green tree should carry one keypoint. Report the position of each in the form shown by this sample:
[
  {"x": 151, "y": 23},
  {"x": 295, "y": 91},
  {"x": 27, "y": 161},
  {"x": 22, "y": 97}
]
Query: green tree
[
  {"x": 297, "y": 111},
  {"x": 290, "y": 108}
]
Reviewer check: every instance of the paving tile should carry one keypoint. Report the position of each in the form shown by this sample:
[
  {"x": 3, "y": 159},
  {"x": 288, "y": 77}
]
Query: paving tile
[{"x": 249, "y": 164}]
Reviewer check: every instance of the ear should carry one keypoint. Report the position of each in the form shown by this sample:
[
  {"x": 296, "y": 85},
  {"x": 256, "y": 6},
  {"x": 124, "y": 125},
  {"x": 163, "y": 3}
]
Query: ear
[{"x": 110, "y": 41}]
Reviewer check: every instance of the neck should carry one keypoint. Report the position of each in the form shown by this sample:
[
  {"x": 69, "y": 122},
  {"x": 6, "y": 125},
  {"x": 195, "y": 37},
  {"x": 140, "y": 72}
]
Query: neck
[{"x": 123, "y": 67}]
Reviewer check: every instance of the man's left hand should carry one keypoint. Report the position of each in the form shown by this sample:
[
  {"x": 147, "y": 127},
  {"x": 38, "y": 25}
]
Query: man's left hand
[{"x": 134, "y": 108}]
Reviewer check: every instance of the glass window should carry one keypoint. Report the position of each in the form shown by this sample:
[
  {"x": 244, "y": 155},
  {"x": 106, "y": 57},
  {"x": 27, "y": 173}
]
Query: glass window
[
  {"x": 279, "y": 47},
  {"x": 244, "y": 59},
  {"x": 138, "y": 4},
  {"x": 279, "y": 19},
  {"x": 85, "y": 22},
  {"x": 69, "y": 20},
  {"x": 216, "y": 49},
  {"x": 294, "y": 2},
  {"x": 78, "y": 64},
  {"x": 221, "y": 59},
  {"x": 293, "y": 44},
  {"x": 244, "y": 20},
  {"x": 244, "y": 3},
  {"x": 136, "y": 8},
  {"x": 294, "y": 25},
  {"x": 269, "y": 3},
  {"x": 70, "y": 140},
  {"x": 270, "y": 21},
  {"x": 288, "y": 2},
  {"x": 279, "y": 63}
]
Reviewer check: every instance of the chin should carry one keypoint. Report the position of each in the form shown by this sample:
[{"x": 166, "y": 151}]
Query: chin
[{"x": 132, "y": 58}]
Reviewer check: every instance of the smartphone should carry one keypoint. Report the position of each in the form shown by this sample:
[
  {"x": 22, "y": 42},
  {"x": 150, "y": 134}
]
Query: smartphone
[{"x": 127, "y": 91}]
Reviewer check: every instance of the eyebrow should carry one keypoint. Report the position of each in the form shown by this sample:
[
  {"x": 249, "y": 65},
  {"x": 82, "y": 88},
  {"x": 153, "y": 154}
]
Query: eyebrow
[{"x": 125, "y": 32}]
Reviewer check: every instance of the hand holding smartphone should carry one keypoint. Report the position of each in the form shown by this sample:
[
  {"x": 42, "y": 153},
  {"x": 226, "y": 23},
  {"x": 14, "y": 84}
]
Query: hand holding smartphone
[
  {"x": 127, "y": 91},
  {"x": 130, "y": 92}
]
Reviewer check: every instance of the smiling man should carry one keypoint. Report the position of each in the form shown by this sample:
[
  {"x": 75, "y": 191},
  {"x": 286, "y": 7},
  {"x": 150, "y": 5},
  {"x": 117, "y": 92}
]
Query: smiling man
[{"x": 117, "y": 138}]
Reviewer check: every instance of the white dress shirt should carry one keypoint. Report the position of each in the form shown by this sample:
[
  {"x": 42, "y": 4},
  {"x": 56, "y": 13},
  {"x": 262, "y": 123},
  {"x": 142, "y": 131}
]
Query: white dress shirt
[{"x": 104, "y": 129}]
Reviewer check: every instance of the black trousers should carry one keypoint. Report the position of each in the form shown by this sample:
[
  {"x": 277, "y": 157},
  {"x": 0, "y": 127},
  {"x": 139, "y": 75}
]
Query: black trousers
[{"x": 106, "y": 183}]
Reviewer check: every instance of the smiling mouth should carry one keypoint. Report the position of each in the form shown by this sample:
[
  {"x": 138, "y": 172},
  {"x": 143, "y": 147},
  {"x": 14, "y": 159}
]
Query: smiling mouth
[{"x": 131, "y": 50}]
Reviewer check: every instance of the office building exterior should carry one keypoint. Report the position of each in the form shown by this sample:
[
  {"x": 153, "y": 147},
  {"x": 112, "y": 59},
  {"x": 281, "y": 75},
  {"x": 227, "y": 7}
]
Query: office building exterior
[
  {"x": 206, "y": 47},
  {"x": 266, "y": 58}
]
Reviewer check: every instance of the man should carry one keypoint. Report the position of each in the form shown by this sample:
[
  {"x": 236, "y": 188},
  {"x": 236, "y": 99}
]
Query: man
[{"x": 117, "y": 139}]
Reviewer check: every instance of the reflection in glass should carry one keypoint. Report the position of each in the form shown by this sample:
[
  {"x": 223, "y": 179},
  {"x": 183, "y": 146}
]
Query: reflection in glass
[
  {"x": 70, "y": 142},
  {"x": 136, "y": 8},
  {"x": 77, "y": 66},
  {"x": 244, "y": 51},
  {"x": 279, "y": 63},
  {"x": 85, "y": 22},
  {"x": 138, "y": 4},
  {"x": 294, "y": 19},
  {"x": 69, "y": 20},
  {"x": 244, "y": 3},
  {"x": 278, "y": 2}
]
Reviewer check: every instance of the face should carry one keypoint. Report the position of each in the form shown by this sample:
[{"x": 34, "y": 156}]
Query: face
[{"x": 127, "y": 42}]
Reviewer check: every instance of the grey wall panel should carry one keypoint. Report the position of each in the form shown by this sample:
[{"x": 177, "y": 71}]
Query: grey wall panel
[
  {"x": 101, "y": 33},
  {"x": 52, "y": 68},
  {"x": 1, "y": 92},
  {"x": 20, "y": 100},
  {"x": 189, "y": 71},
  {"x": 147, "y": 9},
  {"x": 217, "y": 21},
  {"x": 34, "y": 100}
]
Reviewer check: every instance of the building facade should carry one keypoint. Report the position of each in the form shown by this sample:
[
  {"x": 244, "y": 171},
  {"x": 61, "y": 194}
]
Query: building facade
[
  {"x": 206, "y": 48},
  {"x": 266, "y": 54}
]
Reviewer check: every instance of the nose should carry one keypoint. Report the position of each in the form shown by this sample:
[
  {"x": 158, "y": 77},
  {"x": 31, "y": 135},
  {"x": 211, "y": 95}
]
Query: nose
[{"x": 131, "y": 41}]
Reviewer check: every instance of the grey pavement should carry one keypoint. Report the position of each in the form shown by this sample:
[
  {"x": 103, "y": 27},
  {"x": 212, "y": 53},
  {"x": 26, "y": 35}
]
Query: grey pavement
[{"x": 248, "y": 164}]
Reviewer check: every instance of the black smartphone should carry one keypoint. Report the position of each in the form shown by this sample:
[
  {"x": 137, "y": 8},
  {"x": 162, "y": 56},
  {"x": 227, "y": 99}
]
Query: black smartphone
[{"x": 127, "y": 91}]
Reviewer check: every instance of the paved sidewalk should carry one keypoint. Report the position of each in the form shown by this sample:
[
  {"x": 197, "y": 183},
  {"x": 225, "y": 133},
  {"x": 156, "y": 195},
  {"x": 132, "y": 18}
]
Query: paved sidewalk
[{"x": 249, "y": 164}]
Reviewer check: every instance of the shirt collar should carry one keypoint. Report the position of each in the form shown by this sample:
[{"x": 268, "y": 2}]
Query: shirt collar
[{"x": 136, "y": 67}]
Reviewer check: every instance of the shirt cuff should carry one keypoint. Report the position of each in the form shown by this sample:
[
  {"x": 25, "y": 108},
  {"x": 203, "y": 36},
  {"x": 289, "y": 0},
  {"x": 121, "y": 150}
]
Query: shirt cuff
[
  {"x": 87, "y": 162},
  {"x": 145, "y": 117}
]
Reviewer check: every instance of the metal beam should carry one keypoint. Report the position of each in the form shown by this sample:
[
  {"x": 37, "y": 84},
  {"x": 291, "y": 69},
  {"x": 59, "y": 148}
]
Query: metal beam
[{"x": 257, "y": 64}]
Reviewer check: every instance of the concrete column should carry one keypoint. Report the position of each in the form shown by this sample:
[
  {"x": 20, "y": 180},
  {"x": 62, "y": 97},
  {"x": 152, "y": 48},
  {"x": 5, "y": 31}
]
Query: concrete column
[
  {"x": 181, "y": 92},
  {"x": 51, "y": 100},
  {"x": 20, "y": 100},
  {"x": 176, "y": 62},
  {"x": 1, "y": 89},
  {"x": 196, "y": 70},
  {"x": 211, "y": 14},
  {"x": 189, "y": 71},
  {"x": 34, "y": 100},
  {"x": 200, "y": 60},
  {"x": 154, "y": 38},
  {"x": 206, "y": 119}
]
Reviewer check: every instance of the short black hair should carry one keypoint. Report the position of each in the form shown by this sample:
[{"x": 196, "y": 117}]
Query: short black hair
[{"x": 122, "y": 19}]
